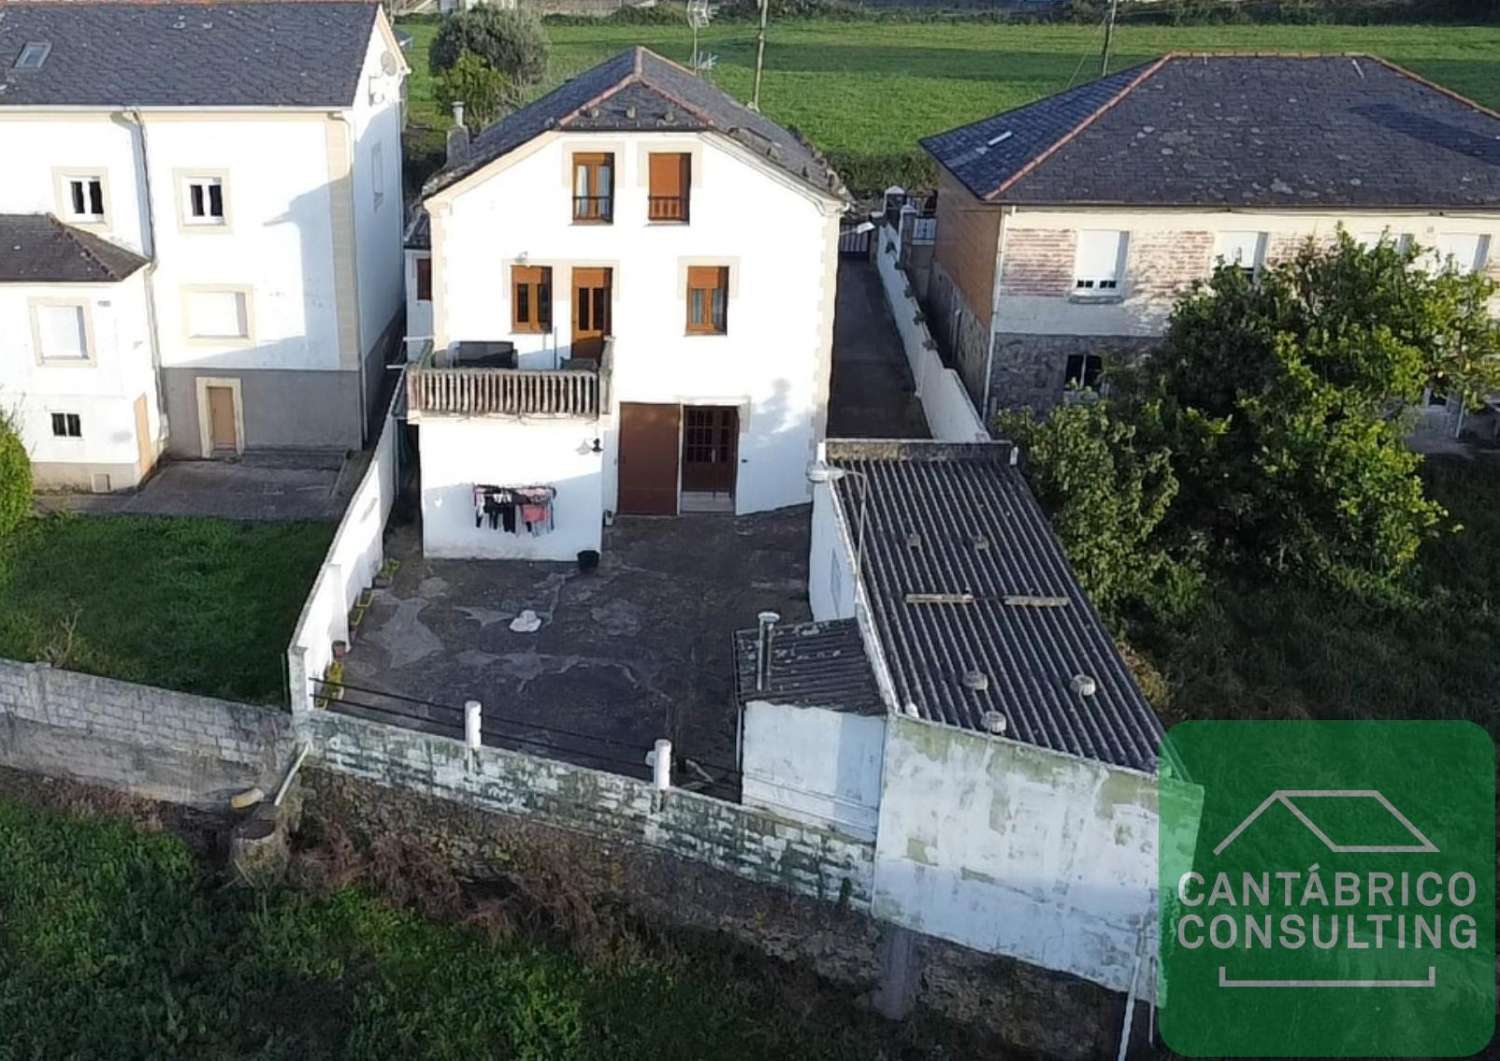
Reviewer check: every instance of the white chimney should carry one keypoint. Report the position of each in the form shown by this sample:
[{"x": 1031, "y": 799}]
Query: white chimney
[{"x": 458, "y": 136}]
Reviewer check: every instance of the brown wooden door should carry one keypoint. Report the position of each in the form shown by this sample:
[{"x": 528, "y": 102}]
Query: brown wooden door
[
  {"x": 145, "y": 445},
  {"x": 591, "y": 311},
  {"x": 710, "y": 437},
  {"x": 649, "y": 440},
  {"x": 221, "y": 430}
]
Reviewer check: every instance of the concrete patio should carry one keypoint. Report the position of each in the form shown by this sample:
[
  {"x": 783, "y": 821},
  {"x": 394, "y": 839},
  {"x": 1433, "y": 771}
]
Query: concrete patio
[{"x": 637, "y": 650}]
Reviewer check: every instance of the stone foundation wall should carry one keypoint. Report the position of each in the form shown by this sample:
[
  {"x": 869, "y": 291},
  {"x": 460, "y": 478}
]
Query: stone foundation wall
[
  {"x": 1031, "y": 370},
  {"x": 962, "y": 338}
]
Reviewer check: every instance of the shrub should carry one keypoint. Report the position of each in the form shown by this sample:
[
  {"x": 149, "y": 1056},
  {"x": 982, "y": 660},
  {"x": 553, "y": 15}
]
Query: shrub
[
  {"x": 511, "y": 41},
  {"x": 483, "y": 90},
  {"x": 15, "y": 476}
]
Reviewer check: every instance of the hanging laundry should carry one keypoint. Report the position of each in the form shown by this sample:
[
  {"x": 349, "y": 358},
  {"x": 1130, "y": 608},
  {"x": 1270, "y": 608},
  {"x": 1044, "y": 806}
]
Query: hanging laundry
[{"x": 506, "y": 507}]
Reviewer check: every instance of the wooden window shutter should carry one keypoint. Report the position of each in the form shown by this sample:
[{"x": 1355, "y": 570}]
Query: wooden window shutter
[
  {"x": 424, "y": 279},
  {"x": 667, "y": 175}
]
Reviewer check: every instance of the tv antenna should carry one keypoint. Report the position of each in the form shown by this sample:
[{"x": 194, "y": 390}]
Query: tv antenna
[{"x": 698, "y": 16}]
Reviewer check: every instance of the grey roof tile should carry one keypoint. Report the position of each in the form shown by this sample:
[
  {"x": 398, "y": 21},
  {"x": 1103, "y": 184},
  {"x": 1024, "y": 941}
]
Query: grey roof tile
[
  {"x": 639, "y": 91},
  {"x": 811, "y": 665},
  {"x": 956, "y": 519},
  {"x": 1238, "y": 130},
  {"x": 39, "y": 249},
  {"x": 219, "y": 54}
]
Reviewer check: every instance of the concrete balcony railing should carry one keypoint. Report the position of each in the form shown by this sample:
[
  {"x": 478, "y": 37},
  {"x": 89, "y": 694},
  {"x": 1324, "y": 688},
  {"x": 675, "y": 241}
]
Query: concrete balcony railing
[{"x": 478, "y": 391}]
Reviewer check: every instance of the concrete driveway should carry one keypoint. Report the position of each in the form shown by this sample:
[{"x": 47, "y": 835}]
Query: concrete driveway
[
  {"x": 637, "y": 650},
  {"x": 872, "y": 392}
]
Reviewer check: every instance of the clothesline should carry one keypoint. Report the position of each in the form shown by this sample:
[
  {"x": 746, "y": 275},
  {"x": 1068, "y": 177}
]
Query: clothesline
[{"x": 508, "y": 507}]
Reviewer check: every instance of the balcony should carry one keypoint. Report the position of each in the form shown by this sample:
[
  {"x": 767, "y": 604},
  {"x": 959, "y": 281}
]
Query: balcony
[
  {"x": 594, "y": 209},
  {"x": 433, "y": 389},
  {"x": 668, "y": 208}
]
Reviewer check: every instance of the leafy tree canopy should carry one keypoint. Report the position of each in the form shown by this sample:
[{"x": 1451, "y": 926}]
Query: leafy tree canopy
[{"x": 511, "y": 41}]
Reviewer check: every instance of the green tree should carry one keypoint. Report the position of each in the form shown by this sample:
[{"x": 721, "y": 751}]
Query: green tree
[
  {"x": 510, "y": 41},
  {"x": 15, "y": 476},
  {"x": 1107, "y": 496},
  {"x": 483, "y": 90}
]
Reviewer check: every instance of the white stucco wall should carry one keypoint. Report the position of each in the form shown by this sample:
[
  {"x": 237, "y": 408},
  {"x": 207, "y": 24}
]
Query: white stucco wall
[
  {"x": 818, "y": 765},
  {"x": 418, "y": 311},
  {"x": 1013, "y": 849},
  {"x": 457, "y": 453},
  {"x": 376, "y": 123},
  {"x": 101, "y": 391},
  {"x": 1140, "y": 311},
  {"x": 778, "y": 240},
  {"x": 830, "y": 561}
]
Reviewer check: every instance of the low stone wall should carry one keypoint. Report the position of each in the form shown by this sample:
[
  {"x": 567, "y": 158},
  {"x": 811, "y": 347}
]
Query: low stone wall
[{"x": 151, "y": 742}]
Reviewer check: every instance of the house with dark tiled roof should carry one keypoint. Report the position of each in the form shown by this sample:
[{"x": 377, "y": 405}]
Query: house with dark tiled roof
[
  {"x": 957, "y": 700},
  {"x": 1068, "y": 227},
  {"x": 200, "y": 229},
  {"x": 620, "y": 299}
]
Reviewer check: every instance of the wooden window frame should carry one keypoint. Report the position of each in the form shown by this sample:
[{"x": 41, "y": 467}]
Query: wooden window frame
[
  {"x": 424, "y": 278},
  {"x": 665, "y": 208},
  {"x": 584, "y": 210},
  {"x": 531, "y": 285},
  {"x": 709, "y": 279}
]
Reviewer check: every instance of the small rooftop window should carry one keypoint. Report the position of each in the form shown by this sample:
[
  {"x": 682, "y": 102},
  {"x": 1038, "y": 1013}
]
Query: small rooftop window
[{"x": 33, "y": 55}]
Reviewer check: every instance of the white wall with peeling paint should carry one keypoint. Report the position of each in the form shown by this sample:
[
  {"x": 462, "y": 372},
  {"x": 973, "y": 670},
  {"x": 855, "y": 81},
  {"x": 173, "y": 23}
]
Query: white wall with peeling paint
[
  {"x": 815, "y": 764},
  {"x": 1013, "y": 849}
]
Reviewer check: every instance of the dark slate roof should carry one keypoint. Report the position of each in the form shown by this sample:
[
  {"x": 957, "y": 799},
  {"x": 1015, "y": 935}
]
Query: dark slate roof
[
  {"x": 1237, "y": 130},
  {"x": 40, "y": 249},
  {"x": 811, "y": 665},
  {"x": 947, "y": 518},
  {"x": 185, "y": 55},
  {"x": 639, "y": 91}
]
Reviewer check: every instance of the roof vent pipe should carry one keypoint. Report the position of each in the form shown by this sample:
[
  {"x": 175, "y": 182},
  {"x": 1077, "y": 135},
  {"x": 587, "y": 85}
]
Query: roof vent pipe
[
  {"x": 767, "y": 621},
  {"x": 458, "y": 136}
]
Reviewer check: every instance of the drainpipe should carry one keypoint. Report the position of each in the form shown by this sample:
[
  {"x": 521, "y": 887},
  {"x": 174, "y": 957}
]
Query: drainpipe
[
  {"x": 163, "y": 425},
  {"x": 359, "y": 337}
]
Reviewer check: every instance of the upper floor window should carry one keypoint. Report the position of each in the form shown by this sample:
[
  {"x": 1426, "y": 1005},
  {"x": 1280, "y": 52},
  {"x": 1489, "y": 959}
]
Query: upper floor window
[
  {"x": 67, "y": 425},
  {"x": 594, "y": 188},
  {"x": 218, "y": 313},
  {"x": 671, "y": 181},
  {"x": 62, "y": 331},
  {"x": 1099, "y": 264},
  {"x": 1245, "y": 251},
  {"x": 1461, "y": 252},
  {"x": 531, "y": 298},
  {"x": 1370, "y": 239},
  {"x": 83, "y": 198},
  {"x": 377, "y": 173},
  {"x": 707, "y": 300},
  {"x": 203, "y": 201},
  {"x": 424, "y": 279}
]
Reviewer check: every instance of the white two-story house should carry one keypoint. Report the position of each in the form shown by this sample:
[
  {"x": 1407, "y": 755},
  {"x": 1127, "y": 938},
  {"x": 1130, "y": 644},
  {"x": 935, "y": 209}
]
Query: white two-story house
[
  {"x": 228, "y": 176},
  {"x": 1068, "y": 228},
  {"x": 628, "y": 288}
]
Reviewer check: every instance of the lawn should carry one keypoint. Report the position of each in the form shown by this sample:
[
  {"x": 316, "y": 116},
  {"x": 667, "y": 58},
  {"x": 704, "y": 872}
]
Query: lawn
[
  {"x": 117, "y": 943},
  {"x": 864, "y": 92},
  {"x": 200, "y": 605},
  {"x": 1294, "y": 651}
]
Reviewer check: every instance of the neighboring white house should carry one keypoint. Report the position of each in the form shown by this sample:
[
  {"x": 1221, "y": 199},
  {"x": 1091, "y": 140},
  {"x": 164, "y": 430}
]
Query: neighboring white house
[
  {"x": 251, "y": 154},
  {"x": 958, "y": 699},
  {"x": 1068, "y": 228},
  {"x": 630, "y": 287}
]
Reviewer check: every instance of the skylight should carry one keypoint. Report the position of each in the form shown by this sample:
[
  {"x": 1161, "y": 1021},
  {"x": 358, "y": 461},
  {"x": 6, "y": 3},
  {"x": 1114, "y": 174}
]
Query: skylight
[{"x": 33, "y": 55}]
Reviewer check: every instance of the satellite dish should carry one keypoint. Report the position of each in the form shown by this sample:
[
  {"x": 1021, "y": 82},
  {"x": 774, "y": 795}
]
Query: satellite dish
[
  {"x": 698, "y": 16},
  {"x": 708, "y": 62}
]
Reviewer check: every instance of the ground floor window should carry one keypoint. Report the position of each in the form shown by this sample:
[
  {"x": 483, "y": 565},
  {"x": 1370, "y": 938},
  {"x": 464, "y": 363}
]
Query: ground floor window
[
  {"x": 67, "y": 425},
  {"x": 1084, "y": 371}
]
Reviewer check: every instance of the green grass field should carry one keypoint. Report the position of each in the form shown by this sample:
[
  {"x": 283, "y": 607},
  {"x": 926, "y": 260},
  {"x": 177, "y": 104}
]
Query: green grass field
[
  {"x": 865, "y": 91},
  {"x": 116, "y": 943},
  {"x": 200, "y": 605}
]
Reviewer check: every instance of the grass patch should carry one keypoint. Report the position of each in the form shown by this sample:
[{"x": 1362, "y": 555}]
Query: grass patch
[
  {"x": 116, "y": 943},
  {"x": 864, "y": 92},
  {"x": 200, "y": 605},
  {"x": 1292, "y": 651}
]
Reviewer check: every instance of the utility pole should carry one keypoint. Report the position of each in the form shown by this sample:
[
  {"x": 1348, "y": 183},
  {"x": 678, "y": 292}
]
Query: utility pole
[
  {"x": 1109, "y": 34},
  {"x": 760, "y": 53}
]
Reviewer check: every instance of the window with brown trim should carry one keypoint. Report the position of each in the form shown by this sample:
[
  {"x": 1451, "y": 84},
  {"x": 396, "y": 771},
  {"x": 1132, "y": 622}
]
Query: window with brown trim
[
  {"x": 594, "y": 188},
  {"x": 671, "y": 181},
  {"x": 424, "y": 279},
  {"x": 707, "y": 300},
  {"x": 531, "y": 298}
]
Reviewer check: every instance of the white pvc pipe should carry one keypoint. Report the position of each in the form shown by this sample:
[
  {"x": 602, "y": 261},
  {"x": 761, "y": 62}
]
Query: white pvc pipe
[
  {"x": 472, "y": 724},
  {"x": 661, "y": 766}
]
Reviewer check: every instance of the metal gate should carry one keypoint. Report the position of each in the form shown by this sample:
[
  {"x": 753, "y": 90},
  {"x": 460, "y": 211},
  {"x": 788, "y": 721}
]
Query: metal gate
[{"x": 854, "y": 243}]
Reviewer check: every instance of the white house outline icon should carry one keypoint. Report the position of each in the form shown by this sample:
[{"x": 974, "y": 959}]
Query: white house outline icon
[{"x": 1285, "y": 796}]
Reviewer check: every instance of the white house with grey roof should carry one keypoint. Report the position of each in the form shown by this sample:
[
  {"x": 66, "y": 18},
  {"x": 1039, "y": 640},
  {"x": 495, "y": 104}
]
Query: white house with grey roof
[
  {"x": 958, "y": 699},
  {"x": 248, "y": 155},
  {"x": 630, "y": 288},
  {"x": 1068, "y": 228}
]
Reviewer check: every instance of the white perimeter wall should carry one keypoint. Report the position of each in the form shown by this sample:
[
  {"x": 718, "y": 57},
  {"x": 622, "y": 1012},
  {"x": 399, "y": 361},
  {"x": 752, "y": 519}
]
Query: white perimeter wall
[
  {"x": 504, "y": 451},
  {"x": 1016, "y": 850},
  {"x": 817, "y": 765},
  {"x": 779, "y": 242},
  {"x": 946, "y": 406},
  {"x": 102, "y": 392}
]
